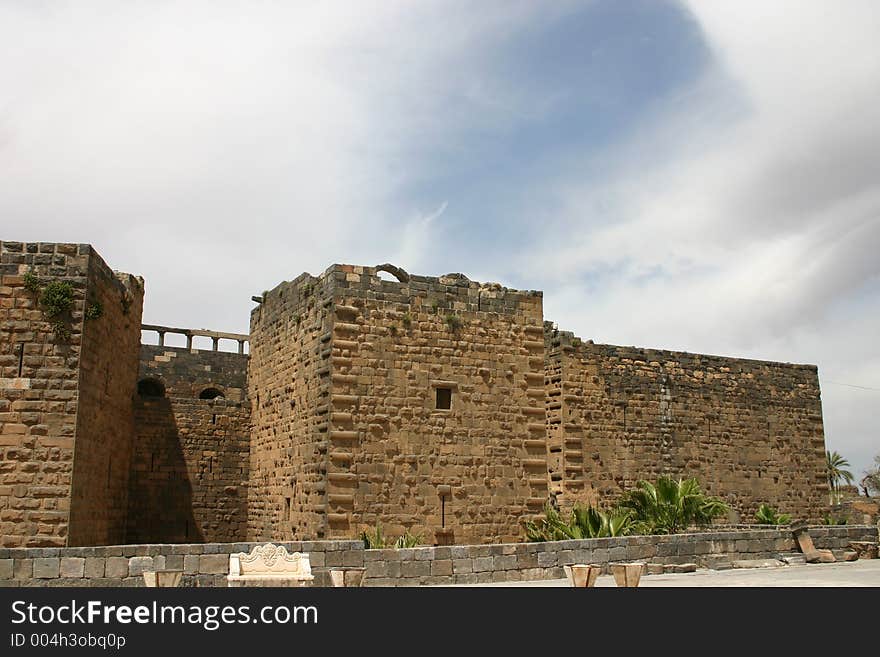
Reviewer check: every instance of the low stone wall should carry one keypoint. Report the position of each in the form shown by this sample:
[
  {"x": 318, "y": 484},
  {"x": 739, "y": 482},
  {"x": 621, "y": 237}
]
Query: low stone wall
[
  {"x": 205, "y": 564},
  {"x": 472, "y": 564}
]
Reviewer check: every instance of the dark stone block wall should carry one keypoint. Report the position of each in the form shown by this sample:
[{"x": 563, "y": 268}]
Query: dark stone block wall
[
  {"x": 104, "y": 420},
  {"x": 190, "y": 464}
]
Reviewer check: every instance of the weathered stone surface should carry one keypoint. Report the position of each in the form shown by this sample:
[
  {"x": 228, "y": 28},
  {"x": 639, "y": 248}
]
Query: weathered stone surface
[
  {"x": 137, "y": 566},
  {"x": 338, "y": 420},
  {"x": 618, "y": 402},
  {"x": 47, "y": 568},
  {"x": 93, "y": 567},
  {"x": 865, "y": 549},
  {"x": 65, "y": 385},
  {"x": 181, "y": 437},
  {"x": 214, "y": 564},
  {"x": 820, "y": 556},
  {"x": 758, "y": 563},
  {"x": 72, "y": 567},
  {"x": 116, "y": 567}
]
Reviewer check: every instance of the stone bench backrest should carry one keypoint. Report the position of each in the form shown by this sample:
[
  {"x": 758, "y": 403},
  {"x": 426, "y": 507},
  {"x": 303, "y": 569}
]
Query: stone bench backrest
[{"x": 270, "y": 560}]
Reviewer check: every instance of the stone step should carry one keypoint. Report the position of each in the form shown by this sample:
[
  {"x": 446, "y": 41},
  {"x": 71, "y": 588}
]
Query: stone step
[
  {"x": 792, "y": 558},
  {"x": 718, "y": 561},
  {"x": 758, "y": 563}
]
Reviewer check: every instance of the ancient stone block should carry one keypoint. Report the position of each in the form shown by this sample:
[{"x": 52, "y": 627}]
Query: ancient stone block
[
  {"x": 213, "y": 564},
  {"x": 47, "y": 567},
  {"x": 93, "y": 567},
  {"x": 116, "y": 567},
  {"x": 72, "y": 567}
]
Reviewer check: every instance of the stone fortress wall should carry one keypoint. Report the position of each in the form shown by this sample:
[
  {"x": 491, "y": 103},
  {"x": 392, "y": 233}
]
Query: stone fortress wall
[
  {"x": 349, "y": 369},
  {"x": 750, "y": 431},
  {"x": 190, "y": 465},
  {"x": 433, "y": 404},
  {"x": 65, "y": 400}
]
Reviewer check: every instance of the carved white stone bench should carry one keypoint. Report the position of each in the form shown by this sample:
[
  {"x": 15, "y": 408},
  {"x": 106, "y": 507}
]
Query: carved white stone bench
[{"x": 269, "y": 565}]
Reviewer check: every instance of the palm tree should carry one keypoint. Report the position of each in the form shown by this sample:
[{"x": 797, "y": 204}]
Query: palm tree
[
  {"x": 671, "y": 505},
  {"x": 837, "y": 473}
]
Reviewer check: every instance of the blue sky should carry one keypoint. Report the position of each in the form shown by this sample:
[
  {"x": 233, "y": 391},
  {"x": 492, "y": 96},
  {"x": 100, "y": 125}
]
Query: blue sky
[{"x": 686, "y": 175}]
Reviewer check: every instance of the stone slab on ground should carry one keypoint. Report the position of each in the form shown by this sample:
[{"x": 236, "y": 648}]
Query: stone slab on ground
[
  {"x": 820, "y": 556},
  {"x": 758, "y": 563},
  {"x": 680, "y": 568}
]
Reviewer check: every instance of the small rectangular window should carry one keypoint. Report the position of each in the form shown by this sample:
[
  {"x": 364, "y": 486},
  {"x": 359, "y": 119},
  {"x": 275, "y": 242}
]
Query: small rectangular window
[
  {"x": 287, "y": 511},
  {"x": 444, "y": 398}
]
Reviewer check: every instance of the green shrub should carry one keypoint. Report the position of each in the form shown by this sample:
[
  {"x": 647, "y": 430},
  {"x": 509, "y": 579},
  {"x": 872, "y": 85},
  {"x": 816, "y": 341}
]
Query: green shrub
[
  {"x": 31, "y": 281},
  {"x": 767, "y": 515},
  {"x": 670, "y": 506},
  {"x": 831, "y": 520},
  {"x": 583, "y": 522},
  {"x": 56, "y": 298},
  {"x": 454, "y": 322},
  {"x": 374, "y": 539},
  {"x": 94, "y": 310},
  {"x": 408, "y": 540}
]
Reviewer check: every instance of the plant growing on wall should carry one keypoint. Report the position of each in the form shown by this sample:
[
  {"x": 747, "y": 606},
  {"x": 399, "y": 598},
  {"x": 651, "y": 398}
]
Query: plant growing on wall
[
  {"x": 454, "y": 322},
  {"x": 94, "y": 310},
  {"x": 56, "y": 300},
  {"x": 767, "y": 515},
  {"x": 31, "y": 281},
  {"x": 406, "y": 320},
  {"x": 832, "y": 520},
  {"x": 671, "y": 505}
]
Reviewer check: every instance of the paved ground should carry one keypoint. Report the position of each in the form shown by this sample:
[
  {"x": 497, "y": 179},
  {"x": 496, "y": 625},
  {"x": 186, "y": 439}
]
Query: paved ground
[{"x": 855, "y": 573}]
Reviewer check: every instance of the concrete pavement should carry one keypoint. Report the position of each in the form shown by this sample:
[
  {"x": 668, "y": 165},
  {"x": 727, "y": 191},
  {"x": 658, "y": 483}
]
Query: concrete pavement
[{"x": 855, "y": 573}]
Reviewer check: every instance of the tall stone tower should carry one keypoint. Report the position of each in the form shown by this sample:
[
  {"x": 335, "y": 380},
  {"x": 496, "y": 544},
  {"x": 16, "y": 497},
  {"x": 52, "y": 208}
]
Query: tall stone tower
[
  {"x": 417, "y": 403},
  {"x": 69, "y": 334}
]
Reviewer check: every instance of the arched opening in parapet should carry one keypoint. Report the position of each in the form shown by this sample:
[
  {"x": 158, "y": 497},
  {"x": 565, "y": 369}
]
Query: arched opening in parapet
[
  {"x": 211, "y": 393},
  {"x": 151, "y": 388},
  {"x": 396, "y": 272}
]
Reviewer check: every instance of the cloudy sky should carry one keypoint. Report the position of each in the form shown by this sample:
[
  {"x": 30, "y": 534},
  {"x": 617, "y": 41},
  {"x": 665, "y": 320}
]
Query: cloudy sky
[{"x": 701, "y": 176}]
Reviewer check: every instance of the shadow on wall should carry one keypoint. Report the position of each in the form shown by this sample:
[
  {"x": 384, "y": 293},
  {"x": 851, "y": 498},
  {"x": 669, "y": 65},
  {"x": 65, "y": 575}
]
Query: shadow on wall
[{"x": 160, "y": 500}]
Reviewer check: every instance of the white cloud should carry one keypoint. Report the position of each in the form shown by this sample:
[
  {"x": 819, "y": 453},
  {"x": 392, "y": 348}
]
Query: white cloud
[
  {"x": 218, "y": 148},
  {"x": 742, "y": 219}
]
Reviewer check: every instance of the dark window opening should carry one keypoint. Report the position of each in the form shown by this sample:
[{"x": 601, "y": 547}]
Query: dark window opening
[
  {"x": 20, "y": 359},
  {"x": 288, "y": 515},
  {"x": 211, "y": 393},
  {"x": 151, "y": 388},
  {"x": 444, "y": 398}
]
